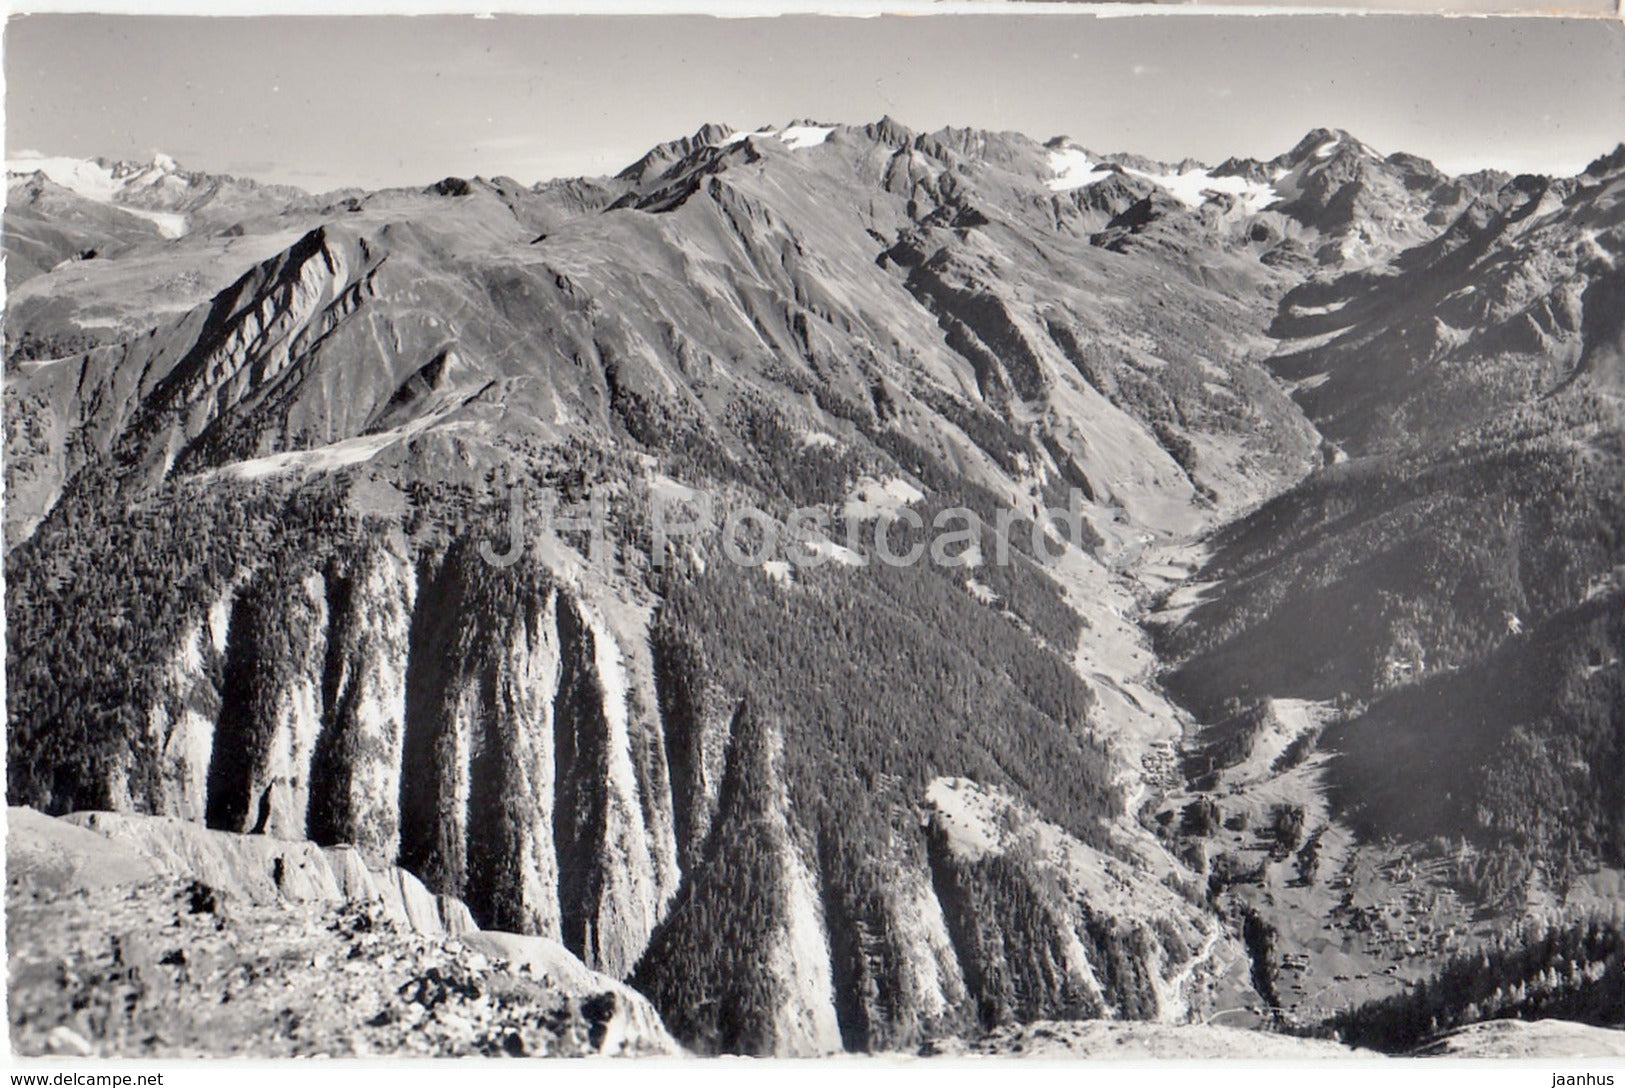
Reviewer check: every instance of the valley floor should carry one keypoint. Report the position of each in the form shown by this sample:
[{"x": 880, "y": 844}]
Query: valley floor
[{"x": 1370, "y": 918}]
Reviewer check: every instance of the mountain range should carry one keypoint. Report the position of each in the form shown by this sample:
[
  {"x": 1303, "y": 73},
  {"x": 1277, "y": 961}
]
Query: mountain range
[{"x": 1320, "y": 701}]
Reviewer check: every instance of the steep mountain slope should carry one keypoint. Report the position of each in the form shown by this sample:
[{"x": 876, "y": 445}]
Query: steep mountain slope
[
  {"x": 1518, "y": 297},
  {"x": 280, "y": 568}
]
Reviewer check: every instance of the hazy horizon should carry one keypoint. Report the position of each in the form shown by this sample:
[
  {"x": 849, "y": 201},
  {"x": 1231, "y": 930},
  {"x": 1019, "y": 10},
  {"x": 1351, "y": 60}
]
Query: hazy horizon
[{"x": 374, "y": 101}]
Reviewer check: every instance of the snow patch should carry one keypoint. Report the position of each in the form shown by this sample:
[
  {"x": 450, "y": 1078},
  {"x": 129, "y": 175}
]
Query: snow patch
[
  {"x": 1193, "y": 187},
  {"x": 800, "y": 137},
  {"x": 872, "y": 497},
  {"x": 740, "y": 137},
  {"x": 796, "y": 137},
  {"x": 841, "y": 554},
  {"x": 1072, "y": 169},
  {"x": 89, "y": 179}
]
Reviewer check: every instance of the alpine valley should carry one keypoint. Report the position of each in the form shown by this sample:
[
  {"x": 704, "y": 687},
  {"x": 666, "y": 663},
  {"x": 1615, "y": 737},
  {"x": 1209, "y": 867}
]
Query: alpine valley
[{"x": 1311, "y": 741}]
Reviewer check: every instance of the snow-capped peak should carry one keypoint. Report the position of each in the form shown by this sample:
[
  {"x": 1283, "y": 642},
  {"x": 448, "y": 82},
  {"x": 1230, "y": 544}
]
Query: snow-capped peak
[
  {"x": 105, "y": 182},
  {"x": 1321, "y": 144},
  {"x": 93, "y": 179},
  {"x": 140, "y": 175}
]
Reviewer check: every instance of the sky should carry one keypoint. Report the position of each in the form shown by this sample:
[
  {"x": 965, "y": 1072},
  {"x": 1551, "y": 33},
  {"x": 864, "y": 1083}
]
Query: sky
[{"x": 330, "y": 102}]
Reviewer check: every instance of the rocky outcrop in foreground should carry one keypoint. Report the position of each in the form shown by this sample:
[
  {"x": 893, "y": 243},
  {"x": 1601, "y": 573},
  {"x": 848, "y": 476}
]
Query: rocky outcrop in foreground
[
  {"x": 134, "y": 936},
  {"x": 255, "y": 869},
  {"x": 1524, "y": 1039}
]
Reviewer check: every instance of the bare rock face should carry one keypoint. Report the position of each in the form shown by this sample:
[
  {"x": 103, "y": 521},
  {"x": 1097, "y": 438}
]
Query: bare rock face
[
  {"x": 800, "y": 966},
  {"x": 528, "y": 792},
  {"x": 309, "y": 746},
  {"x": 269, "y": 714},
  {"x": 181, "y": 721},
  {"x": 696, "y": 715},
  {"x": 355, "y": 771}
]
